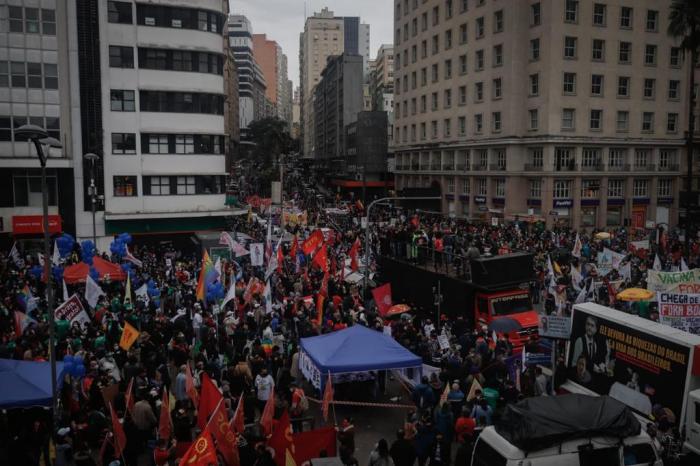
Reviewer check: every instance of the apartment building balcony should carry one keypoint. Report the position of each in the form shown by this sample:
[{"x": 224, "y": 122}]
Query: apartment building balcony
[
  {"x": 650, "y": 167},
  {"x": 593, "y": 167},
  {"x": 448, "y": 167},
  {"x": 479, "y": 167},
  {"x": 495, "y": 167},
  {"x": 462, "y": 167},
  {"x": 569, "y": 167},
  {"x": 415, "y": 166},
  {"x": 435, "y": 166},
  {"x": 669, "y": 167},
  {"x": 625, "y": 167},
  {"x": 530, "y": 167}
]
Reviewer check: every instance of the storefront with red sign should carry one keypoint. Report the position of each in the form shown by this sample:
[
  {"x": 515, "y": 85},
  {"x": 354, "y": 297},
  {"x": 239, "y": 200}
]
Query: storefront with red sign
[{"x": 34, "y": 224}]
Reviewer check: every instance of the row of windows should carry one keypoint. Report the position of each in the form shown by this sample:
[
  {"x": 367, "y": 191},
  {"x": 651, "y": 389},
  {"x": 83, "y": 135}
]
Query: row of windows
[
  {"x": 165, "y": 16},
  {"x": 125, "y": 143},
  {"x": 479, "y": 27},
  {"x": 32, "y": 20},
  {"x": 32, "y": 75},
  {"x": 163, "y": 101},
  {"x": 166, "y": 59},
  {"x": 127, "y": 186},
  {"x": 8, "y": 124},
  {"x": 600, "y": 14}
]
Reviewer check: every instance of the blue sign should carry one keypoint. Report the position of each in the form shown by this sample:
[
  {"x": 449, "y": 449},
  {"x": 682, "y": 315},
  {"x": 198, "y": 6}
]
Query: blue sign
[
  {"x": 480, "y": 199},
  {"x": 563, "y": 203}
]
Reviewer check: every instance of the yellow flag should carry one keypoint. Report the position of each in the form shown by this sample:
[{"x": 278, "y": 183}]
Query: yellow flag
[
  {"x": 557, "y": 269},
  {"x": 472, "y": 391},
  {"x": 129, "y": 336},
  {"x": 127, "y": 292},
  {"x": 289, "y": 459}
]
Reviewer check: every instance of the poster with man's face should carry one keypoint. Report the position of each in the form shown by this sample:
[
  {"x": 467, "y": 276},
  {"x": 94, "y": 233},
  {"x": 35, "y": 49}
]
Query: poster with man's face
[{"x": 643, "y": 371}]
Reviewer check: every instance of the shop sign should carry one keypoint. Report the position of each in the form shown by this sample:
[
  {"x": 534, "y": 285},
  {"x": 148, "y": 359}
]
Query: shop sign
[
  {"x": 480, "y": 199},
  {"x": 640, "y": 201},
  {"x": 563, "y": 203},
  {"x": 34, "y": 224}
]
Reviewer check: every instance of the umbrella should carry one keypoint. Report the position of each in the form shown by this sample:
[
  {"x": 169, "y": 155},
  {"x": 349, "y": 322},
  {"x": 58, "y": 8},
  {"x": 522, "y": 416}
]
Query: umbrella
[
  {"x": 504, "y": 325},
  {"x": 397, "y": 309},
  {"x": 602, "y": 235},
  {"x": 635, "y": 294}
]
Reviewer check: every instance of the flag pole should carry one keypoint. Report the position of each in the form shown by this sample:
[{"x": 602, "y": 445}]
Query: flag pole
[{"x": 330, "y": 381}]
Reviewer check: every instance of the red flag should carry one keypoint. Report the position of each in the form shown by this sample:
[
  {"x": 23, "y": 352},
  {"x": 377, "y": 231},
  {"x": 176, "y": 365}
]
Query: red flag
[
  {"x": 320, "y": 299},
  {"x": 189, "y": 386},
  {"x": 324, "y": 286},
  {"x": 238, "y": 421},
  {"x": 281, "y": 439},
  {"x": 118, "y": 431},
  {"x": 334, "y": 265},
  {"x": 202, "y": 452},
  {"x": 210, "y": 396},
  {"x": 268, "y": 413},
  {"x": 321, "y": 259},
  {"x": 165, "y": 423},
  {"x": 225, "y": 438},
  {"x": 414, "y": 221},
  {"x": 130, "y": 397},
  {"x": 327, "y": 397},
  {"x": 293, "y": 250},
  {"x": 280, "y": 258},
  {"x": 382, "y": 296},
  {"x": 309, "y": 443},
  {"x": 354, "y": 265},
  {"x": 311, "y": 243},
  {"x": 611, "y": 292}
]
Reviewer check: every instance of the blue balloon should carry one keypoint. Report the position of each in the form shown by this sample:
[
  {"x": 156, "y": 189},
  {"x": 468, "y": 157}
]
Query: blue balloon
[
  {"x": 65, "y": 244},
  {"x": 68, "y": 359},
  {"x": 94, "y": 274},
  {"x": 68, "y": 367},
  {"x": 57, "y": 273},
  {"x": 79, "y": 371},
  {"x": 126, "y": 267},
  {"x": 36, "y": 271},
  {"x": 78, "y": 360},
  {"x": 125, "y": 238}
]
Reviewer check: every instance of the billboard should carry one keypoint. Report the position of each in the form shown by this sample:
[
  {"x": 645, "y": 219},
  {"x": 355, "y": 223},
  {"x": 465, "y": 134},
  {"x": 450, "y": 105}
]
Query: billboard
[
  {"x": 639, "y": 369},
  {"x": 681, "y": 311}
]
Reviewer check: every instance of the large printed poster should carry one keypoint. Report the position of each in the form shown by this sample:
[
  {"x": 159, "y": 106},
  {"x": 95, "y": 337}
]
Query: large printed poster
[
  {"x": 641, "y": 370},
  {"x": 681, "y": 311}
]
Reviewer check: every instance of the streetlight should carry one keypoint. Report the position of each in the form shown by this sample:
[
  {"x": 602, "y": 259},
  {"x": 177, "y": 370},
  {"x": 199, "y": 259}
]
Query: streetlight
[
  {"x": 369, "y": 208},
  {"x": 92, "y": 191},
  {"x": 437, "y": 300},
  {"x": 40, "y": 138}
]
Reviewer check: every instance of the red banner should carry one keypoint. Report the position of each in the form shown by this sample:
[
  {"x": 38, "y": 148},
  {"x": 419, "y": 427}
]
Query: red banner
[
  {"x": 31, "y": 224},
  {"x": 308, "y": 445},
  {"x": 382, "y": 296}
]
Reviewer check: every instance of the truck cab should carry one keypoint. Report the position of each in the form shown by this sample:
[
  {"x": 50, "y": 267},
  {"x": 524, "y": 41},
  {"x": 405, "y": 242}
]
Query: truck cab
[{"x": 513, "y": 304}]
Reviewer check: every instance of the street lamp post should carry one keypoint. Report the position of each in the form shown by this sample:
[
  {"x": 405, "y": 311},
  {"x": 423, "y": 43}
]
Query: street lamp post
[
  {"x": 437, "y": 300},
  {"x": 92, "y": 190},
  {"x": 40, "y": 137},
  {"x": 369, "y": 209}
]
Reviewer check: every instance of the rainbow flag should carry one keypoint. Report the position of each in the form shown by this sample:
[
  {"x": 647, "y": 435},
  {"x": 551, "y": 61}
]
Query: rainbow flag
[
  {"x": 22, "y": 321},
  {"x": 26, "y": 300},
  {"x": 207, "y": 275}
]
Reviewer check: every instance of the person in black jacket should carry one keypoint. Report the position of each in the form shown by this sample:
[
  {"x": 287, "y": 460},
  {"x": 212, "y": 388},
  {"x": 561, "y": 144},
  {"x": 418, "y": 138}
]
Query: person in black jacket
[{"x": 402, "y": 451}]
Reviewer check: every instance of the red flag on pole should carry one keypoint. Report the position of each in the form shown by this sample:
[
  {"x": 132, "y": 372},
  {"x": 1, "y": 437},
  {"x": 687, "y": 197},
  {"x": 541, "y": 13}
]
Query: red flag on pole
[
  {"x": 354, "y": 250},
  {"x": 324, "y": 285},
  {"x": 226, "y": 441},
  {"x": 118, "y": 431},
  {"x": 238, "y": 421},
  {"x": 382, "y": 296},
  {"x": 281, "y": 439},
  {"x": 130, "y": 397},
  {"x": 321, "y": 259},
  {"x": 268, "y": 413},
  {"x": 280, "y": 258},
  {"x": 312, "y": 242},
  {"x": 202, "y": 452},
  {"x": 293, "y": 250},
  {"x": 189, "y": 386},
  {"x": 320, "y": 300},
  {"x": 209, "y": 399},
  {"x": 327, "y": 397},
  {"x": 165, "y": 423}
]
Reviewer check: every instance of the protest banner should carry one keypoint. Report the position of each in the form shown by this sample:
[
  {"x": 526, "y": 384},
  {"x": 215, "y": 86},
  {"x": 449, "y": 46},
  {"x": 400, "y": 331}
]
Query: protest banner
[
  {"x": 674, "y": 282},
  {"x": 553, "y": 326},
  {"x": 681, "y": 311},
  {"x": 73, "y": 311}
]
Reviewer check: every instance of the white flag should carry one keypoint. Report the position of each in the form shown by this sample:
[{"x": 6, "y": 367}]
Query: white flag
[
  {"x": 550, "y": 269},
  {"x": 92, "y": 291},
  {"x": 626, "y": 271},
  {"x": 217, "y": 266},
  {"x": 576, "y": 252},
  {"x": 16, "y": 258},
  {"x": 657, "y": 263},
  {"x": 56, "y": 258},
  {"x": 684, "y": 266},
  {"x": 268, "y": 298},
  {"x": 272, "y": 263},
  {"x": 65, "y": 292},
  {"x": 230, "y": 294},
  {"x": 142, "y": 293},
  {"x": 130, "y": 257},
  {"x": 576, "y": 278},
  {"x": 40, "y": 256}
]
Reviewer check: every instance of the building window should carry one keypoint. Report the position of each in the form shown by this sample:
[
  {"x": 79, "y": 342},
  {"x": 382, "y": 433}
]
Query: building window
[
  {"x": 435, "y": 45},
  {"x": 498, "y": 21},
  {"x": 434, "y": 101},
  {"x": 450, "y": 185},
  {"x": 625, "y": 55},
  {"x": 436, "y": 16},
  {"x": 423, "y": 104},
  {"x": 568, "y": 117},
  {"x": 31, "y": 20},
  {"x": 28, "y": 193},
  {"x": 535, "y": 191},
  {"x": 622, "y": 122},
  {"x": 434, "y": 73},
  {"x": 640, "y": 188},
  {"x": 462, "y": 95},
  {"x": 462, "y": 64},
  {"x": 562, "y": 189},
  {"x": 649, "y": 88},
  {"x": 675, "y": 57},
  {"x": 647, "y": 122},
  {"x": 478, "y": 123},
  {"x": 465, "y": 186},
  {"x": 463, "y": 33},
  {"x": 480, "y": 27},
  {"x": 536, "y": 156},
  {"x": 481, "y": 188},
  {"x": 652, "y": 23},
  {"x": 424, "y": 22},
  {"x": 597, "y": 85},
  {"x": 664, "y": 187},
  {"x": 186, "y": 185},
  {"x": 448, "y": 39},
  {"x": 478, "y": 92},
  {"x": 34, "y": 75},
  {"x": 672, "y": 123},
  {"x": 590, "y": 189},
  {"x": 571, "y": 11},
  {"x": 590, "y": 158},
  {"x": 596, "y": 120},
  {"x": 479, "y": 60},
  {"x": 674, "y": 89},
  {"x": 462, "y": 122},
  {"x": 122, "y": 101},
  {"x": 125, "y": 186},
  {"x": 642, "y": 157},
  {"x": 448, "y": 9},
  {"x": 534, "y": 84},
  {"x": 599, "y": 10},
  {"x": 535, "y": 14},
  {"x": 463, "y": 6},
  {"x": 623, "y": 86},
  {"x": 181, "y": 102},
  {"x": 616, "y": 188},
  {"x": 496, "y": 119},
  {"x": 569, "y": 83},
  {"x": 598, "y": 50},
  {"x": 422, "y": 131},
  {"x": 121, "y": 57},
  {"x": 123, "y": 143},
  {"x": 570, "y": 47},
  {"x": 184, "y": 144},
  {"x": 667, "y": 158},
  {"x": 160, "y": 185},
  {"x": 497, "y": 88},
  {"x": 564, "y": 158},
  {"x": 119, "y": 12},
  {"x": 448, "y": 98},
  {"x": 534, "y": 49},
  {"x": 48, "y": 22},
  {"x": 179, "y": 17},
  {"x": 534, "y": 121},
  {"x": 448, "y": 69},
  {"x": 498, "y": 55},
  {"x": 158, "y": 144},
  {"x": 19, "y": 74},
  {"x": 616, "y": 157},
  {"x": 625, "y": 17},
  {"x": 16, "y": 19},
  {"x": 434, "y": 129},
  {"x": 650, "y": 55},
  {"x": 500, "y": 187}
]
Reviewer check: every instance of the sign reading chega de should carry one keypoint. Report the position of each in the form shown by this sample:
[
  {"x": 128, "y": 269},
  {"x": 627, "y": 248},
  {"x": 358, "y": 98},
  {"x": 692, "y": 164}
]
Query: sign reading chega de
[
  {"x": 687, "y": 282},
  {"x": 73, "y": 311},
  {"x": 681, "y": 311}
]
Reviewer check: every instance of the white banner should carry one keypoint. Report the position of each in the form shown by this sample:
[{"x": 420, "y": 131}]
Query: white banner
[
  {"x": 257, "y": 254},
  {"x": 681, "y": 311},
  {"x": 674, "y": 282}
]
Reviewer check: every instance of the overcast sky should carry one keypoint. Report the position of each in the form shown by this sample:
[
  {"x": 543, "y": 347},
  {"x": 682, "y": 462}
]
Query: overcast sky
[{"x": 283, "y": 20}]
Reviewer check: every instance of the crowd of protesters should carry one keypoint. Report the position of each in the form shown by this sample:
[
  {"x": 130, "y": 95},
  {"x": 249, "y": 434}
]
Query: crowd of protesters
[{"x": 250, "y": 346}]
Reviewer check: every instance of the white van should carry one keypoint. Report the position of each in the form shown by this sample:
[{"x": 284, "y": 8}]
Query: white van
[{"x": 492, "y": 449}]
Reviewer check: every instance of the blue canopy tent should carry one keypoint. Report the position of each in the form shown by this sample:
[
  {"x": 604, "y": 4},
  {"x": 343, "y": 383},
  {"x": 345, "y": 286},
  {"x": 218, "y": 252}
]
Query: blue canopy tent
[
  {"x": 354, "y": 349},
  {"x": 24, "y": 384}
]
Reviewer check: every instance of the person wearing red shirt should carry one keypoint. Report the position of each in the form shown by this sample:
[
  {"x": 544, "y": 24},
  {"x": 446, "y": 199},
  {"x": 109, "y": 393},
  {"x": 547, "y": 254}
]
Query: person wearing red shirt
[{"x": 464, "y": 427}]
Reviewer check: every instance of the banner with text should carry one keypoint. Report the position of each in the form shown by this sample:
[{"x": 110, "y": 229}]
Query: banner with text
[
  {"x": 73, "y": 311},
  {"x": 674, "y": 282},
  {"x": 681, "y": 311}
]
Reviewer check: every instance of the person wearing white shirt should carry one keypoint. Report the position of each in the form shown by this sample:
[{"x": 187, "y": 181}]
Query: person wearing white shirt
[{"x": 264, "y": 384}]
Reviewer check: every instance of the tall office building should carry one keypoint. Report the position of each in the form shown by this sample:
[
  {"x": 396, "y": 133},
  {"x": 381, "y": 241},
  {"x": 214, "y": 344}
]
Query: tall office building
[
  {"x": 273, "y": 63},
  {"x": 325, "y": 35},
  {"x": 35, "y": 43},
  {"x": 253, "y": 102},
  {"x": 541, "y": 110}
]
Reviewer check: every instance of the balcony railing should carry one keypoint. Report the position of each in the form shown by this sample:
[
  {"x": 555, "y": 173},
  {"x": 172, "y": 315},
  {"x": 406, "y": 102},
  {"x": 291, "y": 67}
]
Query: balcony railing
[
  {"x": 462, "y": 167},
  {"x": 650, "y": 167},
  {"x": 593, "y": 167},
  {"x": 448, "y": 167},
  {"x": 529, "y": 167},
  {"x": 497, "y": 167},
  {"x": 569, "y": 167},
  {"x": 435, "y": 166},
  {"x": 479, "y": 167},
  {"x": 669, "y": 167},
  {"x": 625, "y": 167},
  {"x": 415, "y": 166}
]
